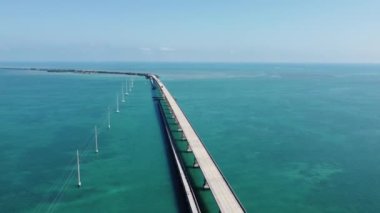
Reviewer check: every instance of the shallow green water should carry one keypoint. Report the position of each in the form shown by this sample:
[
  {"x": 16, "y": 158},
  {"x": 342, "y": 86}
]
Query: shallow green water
[
  {"x": 289, "y": 138},
  {"x": 46, "y": 117}
]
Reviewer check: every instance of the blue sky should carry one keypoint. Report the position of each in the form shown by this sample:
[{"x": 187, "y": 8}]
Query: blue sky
[{"x": 214, "y": 30}]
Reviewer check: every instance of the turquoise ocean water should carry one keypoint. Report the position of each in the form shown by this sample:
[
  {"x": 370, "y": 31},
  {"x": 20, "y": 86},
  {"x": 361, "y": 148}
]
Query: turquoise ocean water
[{"x": 288, "y": 137}]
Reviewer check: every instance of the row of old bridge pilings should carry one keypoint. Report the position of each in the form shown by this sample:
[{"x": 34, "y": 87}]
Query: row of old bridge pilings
[{"x": 203, "y": 195}]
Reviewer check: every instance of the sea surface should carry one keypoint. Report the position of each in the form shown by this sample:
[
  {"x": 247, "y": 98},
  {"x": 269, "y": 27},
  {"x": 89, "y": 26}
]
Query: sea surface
[{"x": 288, "y": 137}]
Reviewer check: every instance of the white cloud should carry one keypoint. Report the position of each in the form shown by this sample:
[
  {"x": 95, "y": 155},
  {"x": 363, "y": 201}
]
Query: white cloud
[
  {"x": 166, "y": 49},
  {"x": 146, "y": 49}
]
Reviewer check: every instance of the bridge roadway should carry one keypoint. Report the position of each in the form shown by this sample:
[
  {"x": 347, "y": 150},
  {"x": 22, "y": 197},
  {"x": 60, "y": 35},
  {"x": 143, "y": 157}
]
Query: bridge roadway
[{"x": 221, "y": 190}]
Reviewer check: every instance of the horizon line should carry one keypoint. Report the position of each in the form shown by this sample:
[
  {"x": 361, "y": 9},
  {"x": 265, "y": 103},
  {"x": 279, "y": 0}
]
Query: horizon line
[{"x": 196, "y": 62}]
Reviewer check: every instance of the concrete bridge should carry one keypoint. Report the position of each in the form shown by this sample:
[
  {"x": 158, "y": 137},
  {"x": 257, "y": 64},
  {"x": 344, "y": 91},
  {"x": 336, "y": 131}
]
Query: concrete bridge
[{"x": 214, "y": 180}]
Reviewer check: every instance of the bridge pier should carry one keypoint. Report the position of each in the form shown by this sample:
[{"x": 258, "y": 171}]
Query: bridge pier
[
  {"x": 183, "y": 137},
  {"x": 205, "y": 185},
  {"x": 195, "y": 164},
  {"x": 174, "y": 120},
  {"x": 188, "y": 149}
]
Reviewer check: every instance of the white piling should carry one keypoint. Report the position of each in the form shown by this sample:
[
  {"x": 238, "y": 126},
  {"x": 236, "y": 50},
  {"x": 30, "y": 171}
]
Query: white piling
[
  {"x": 109, "y": 118},
  {"x": 122, "y": 94},
  {"x": 117, "y": 103},
  {"x": 130, "y": 86},
  {"x": 96, "y": 140},
  {"x": 79, "y": 182},
  {"x": 126, "y": 86}
]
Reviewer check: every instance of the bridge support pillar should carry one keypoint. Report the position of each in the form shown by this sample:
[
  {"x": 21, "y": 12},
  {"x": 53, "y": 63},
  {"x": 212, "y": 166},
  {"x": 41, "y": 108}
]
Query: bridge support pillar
[
  {"x": 188, "y": 148},
  {"x": 195, "y": 164},
  {"x": 205, "y": 185}
]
